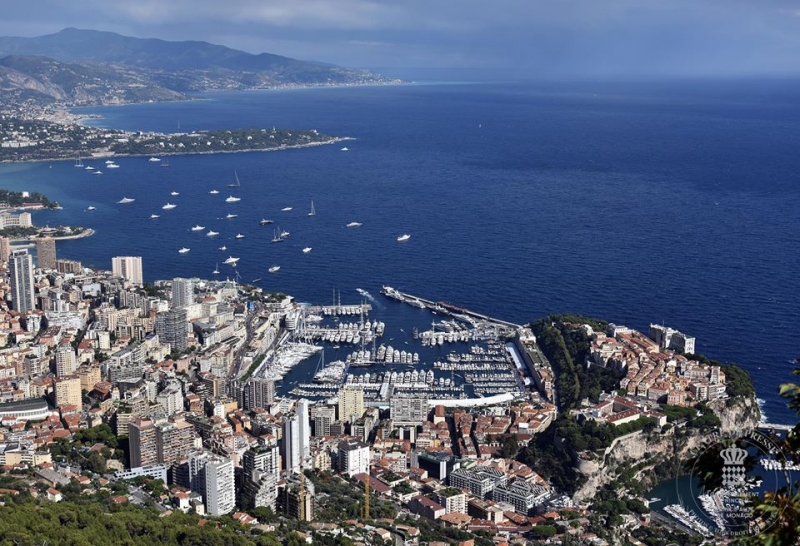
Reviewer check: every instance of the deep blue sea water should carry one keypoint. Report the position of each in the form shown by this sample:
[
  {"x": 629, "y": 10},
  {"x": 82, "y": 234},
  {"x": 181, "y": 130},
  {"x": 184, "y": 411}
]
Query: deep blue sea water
[{"x": 666, "y": 202}]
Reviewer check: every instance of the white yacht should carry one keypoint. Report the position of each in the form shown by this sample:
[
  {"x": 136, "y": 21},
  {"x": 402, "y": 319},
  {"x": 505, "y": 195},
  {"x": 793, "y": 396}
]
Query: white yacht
[
  {"x": 239, "y": 236},
  {"x": 109, "y": 161},
  {"x": 354, "y": 224},
  {"x": 344, "y": 149},
  {"x": 274, "y": 269},
  {"x": 265, "y": 221},
  {"x": 154, "y": 160},
  {"x": 230, "y": 216},
  {"x": 154, "y": 216},
  {"x": 90, "y": 208},
  {"x": 286, "y": 209},
  {"x": 184, "y": 250},
  {"x": 212, "y": 233},
  {"x": 214, "y": 192},
  {"x": 169, "y": 206},
  {"x": 126, "y": 200},
  {"x": 231, "y": 260},
  {"x": 88, "y": 168},
  {"x": 232, "y": 199},
  {"x": 97, "y": 172},
  {"x": 306, "y": 250},
  {"x": 404, "y": 237},
  {"x": 198, "y": 228},
  {"x": 284, "y": 234},
  {"x": 174, "y": 193},
  {"x": 223, "y": 248},
  {"x": 112, "y": 166}
]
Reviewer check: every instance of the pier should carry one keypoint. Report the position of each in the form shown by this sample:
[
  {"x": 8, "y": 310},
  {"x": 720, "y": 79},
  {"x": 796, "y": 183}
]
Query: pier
[{"x": 445, "y": 308}]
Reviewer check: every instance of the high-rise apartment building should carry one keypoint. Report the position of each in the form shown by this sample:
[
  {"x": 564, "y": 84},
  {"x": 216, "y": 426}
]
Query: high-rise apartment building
[
  {"x": 182, "y": 292},
  {"x": 351, "y": 403},
  {"x": 128, "y": 267},
  {"x": 68, "y": 391},
  {"x": 46, "y": 252},
  {"x": 259, "y": 393},
  {"x": 173, "y": 327},
  {"x": 5, "y": 249},
  {"x": 323, "y": 417},
  {"x": 213, "y": 477},
  {"x": 142, "y": 441},
  {"x": 296, "y": 441},
  {"x": 264, "y": 459},
  {"x": 353, "y": 457},
  {"x": 220, "y": 493},
  {"x": 21, "y": 271},
  {"x": 66, "y": 361},
  {"x": 174, "y": 441}
]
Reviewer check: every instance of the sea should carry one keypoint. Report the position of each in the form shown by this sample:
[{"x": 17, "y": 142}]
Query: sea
[{"x": 670, "y": 202}]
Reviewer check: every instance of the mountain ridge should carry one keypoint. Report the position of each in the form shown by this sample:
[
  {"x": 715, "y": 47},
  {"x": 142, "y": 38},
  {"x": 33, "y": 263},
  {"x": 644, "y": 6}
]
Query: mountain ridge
[{"x": 82, "y": 67}]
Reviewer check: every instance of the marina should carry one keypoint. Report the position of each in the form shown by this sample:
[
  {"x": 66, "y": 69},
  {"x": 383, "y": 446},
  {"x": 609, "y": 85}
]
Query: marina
[{"x": 476, "y": 363}]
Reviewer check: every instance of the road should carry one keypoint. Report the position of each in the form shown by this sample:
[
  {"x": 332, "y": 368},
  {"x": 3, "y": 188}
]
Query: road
[{"x": 252, "y": 316}]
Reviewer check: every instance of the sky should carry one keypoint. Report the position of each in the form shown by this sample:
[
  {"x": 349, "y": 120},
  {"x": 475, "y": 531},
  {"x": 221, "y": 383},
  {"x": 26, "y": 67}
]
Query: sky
[{"x": 509, "y": 38}]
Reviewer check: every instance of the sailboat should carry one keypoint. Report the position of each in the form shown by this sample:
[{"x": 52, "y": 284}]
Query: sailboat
[
  {"x": 79, "y": 162},
  {"x": 313, "y": 210},
  {"x": 216, "y": 270},
  {"x": 235, "y": 184}
]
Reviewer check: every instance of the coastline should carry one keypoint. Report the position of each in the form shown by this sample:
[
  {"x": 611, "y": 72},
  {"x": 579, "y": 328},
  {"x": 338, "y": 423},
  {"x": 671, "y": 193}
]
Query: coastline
[
  {"x": 333, "y": 140},
  {"x": 21, "y": 241},
  {"x": 80, "y": 119}
]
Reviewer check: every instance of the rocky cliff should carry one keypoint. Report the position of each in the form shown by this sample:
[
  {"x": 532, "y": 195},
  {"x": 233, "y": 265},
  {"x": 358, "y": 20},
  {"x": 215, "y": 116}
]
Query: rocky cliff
[{"x": 661, "y": 449}]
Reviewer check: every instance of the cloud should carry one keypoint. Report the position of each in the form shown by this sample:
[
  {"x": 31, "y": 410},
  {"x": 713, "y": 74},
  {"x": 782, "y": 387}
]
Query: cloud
[{"x": 531, "y": 36}]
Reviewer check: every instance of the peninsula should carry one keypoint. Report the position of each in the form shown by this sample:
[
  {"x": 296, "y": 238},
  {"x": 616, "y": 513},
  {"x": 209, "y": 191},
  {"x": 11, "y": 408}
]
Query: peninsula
[
  {"x": 42, "y": 140},
  {"x": 42, "y": 78}
]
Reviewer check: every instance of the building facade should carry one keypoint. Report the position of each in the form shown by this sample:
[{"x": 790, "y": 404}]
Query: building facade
[
  {"x": 296, "y": 441},
  {"x": 353, "y": 457},
  {"x": 182, "y": 292},
  {"x": 129, "y": 268},
  {"x": 173, "y": 327},
  {"x": 351, "y": 404},
  {"x": 20, "y": 267},
  {"x": 46, "y": 252}
]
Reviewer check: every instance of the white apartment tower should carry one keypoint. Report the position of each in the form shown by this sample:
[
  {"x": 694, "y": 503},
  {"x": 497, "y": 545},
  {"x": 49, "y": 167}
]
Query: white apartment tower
[
  {"x": 220, "y": 494},
  {"x": 182, "y": 292},
  {"x": 20, "y": 267},
  {"x": 296, "y": 441},
  {"x": 353, "y": 457}
]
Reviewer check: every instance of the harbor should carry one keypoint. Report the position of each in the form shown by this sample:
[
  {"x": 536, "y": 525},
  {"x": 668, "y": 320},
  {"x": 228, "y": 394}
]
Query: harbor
[{"x": 445, "y": 355}]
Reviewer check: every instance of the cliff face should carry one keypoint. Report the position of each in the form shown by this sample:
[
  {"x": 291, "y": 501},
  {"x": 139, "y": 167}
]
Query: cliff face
[
  {"x": 657, "y": 448},
  {"x": 743, "y": 415}
]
